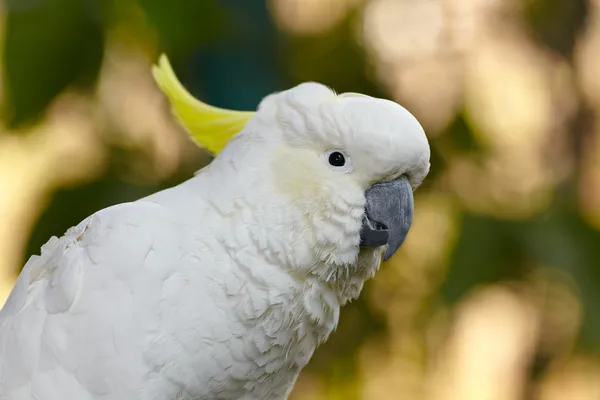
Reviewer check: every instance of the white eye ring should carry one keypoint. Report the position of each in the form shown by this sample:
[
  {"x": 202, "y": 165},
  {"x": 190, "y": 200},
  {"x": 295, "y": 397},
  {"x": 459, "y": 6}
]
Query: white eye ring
[{"x": 338, "y": 160}]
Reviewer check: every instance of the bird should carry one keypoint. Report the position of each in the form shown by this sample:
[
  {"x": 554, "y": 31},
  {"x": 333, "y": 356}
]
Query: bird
[{"x": 221, "y": 287}]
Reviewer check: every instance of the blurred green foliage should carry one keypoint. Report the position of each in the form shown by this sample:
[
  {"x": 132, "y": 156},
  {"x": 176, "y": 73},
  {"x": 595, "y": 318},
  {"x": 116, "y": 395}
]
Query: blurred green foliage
[{"x": 49, "y": 46}]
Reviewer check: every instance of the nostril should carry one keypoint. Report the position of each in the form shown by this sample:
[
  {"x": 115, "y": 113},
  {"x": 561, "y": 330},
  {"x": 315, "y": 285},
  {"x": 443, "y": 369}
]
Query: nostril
[{"x": 379, "y": 226}]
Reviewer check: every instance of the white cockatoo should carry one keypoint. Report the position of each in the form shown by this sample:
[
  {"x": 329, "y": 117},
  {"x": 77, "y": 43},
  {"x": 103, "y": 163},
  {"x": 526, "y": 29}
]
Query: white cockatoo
[{"x": 221, "y": 287}]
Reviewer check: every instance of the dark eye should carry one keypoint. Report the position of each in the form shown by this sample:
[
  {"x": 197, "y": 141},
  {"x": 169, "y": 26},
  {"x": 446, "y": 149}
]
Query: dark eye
[{"x": 337, "y": 159}]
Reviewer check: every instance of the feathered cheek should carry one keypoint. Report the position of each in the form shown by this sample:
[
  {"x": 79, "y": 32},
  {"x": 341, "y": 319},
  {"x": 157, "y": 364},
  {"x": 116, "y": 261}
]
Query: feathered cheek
[{"x": 296, "y": 175}]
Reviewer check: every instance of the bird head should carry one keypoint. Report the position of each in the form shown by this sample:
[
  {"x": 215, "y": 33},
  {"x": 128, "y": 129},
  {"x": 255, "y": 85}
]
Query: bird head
[{"x": 348, "y": 163}]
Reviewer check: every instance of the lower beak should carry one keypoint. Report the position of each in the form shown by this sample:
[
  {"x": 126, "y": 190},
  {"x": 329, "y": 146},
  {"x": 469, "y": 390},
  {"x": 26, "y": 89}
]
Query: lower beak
[{"x": 388, "y": 215}]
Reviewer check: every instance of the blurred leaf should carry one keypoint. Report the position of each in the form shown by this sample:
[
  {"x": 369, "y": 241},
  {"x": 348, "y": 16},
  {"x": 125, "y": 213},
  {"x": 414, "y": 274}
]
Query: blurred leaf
[
  {"x": 244, "y": 69},
  {"x": 556, "y": 23},
  {"x": 487, "y": 251},
  {"x": 462, "y": 137},
  {"x": 185, "y": 25},
  {"x": 49, "y": 45},
  {"x": 457, "y": 139},
  {"x": 334, "y": 59},
  {"x": 563, "y": 240},
  {"x": 493, "y": 250}
]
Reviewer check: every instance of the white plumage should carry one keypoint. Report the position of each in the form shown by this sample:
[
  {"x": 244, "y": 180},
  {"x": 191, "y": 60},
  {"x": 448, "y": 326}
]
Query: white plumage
[{"x": 221, "y": 287}]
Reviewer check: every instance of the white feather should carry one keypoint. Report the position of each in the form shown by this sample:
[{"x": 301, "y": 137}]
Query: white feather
[{"x": 221, "y": 287}]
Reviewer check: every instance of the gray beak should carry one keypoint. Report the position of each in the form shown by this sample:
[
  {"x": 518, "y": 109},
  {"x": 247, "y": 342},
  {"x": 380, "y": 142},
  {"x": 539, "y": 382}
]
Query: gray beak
[{"x": 388, "y": 215}]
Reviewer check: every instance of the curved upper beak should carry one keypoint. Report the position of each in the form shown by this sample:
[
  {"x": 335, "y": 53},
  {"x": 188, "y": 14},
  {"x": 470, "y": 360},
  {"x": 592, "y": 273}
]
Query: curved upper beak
[{"x": 388, "y": 215}]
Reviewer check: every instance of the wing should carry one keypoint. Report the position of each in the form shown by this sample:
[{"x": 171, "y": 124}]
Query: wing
[{"x": 70, "y": 328}]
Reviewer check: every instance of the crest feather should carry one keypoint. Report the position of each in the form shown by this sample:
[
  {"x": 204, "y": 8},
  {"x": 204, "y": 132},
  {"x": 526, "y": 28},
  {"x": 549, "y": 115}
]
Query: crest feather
[{"x": 210, "y": 127}]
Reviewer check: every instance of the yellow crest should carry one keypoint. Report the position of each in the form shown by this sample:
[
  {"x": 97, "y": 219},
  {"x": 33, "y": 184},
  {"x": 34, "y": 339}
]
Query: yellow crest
[{"x": 210, "y": 127}]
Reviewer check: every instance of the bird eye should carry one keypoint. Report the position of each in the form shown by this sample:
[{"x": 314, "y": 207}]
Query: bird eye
[{"x": 337, "y": 159}]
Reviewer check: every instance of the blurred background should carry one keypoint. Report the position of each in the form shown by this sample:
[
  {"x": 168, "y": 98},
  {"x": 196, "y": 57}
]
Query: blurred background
[{"x": 495, "y": 294}]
